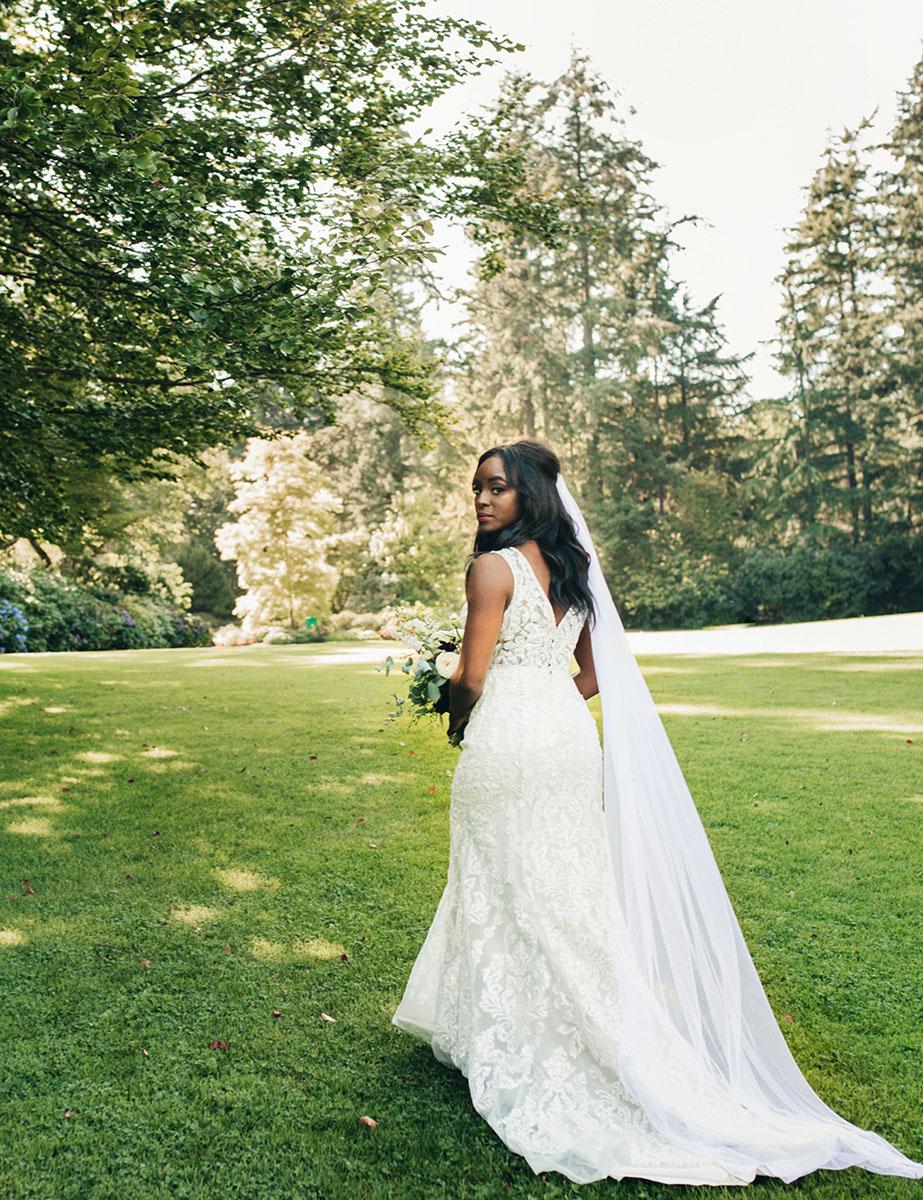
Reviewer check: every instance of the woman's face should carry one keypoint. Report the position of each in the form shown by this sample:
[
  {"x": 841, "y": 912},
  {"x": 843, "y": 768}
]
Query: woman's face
[{"x": 496, "y": 502}]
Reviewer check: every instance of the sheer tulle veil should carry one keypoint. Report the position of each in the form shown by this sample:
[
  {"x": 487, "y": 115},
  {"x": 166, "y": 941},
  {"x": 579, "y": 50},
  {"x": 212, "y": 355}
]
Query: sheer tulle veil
[{"x": 700, "y": 1048}]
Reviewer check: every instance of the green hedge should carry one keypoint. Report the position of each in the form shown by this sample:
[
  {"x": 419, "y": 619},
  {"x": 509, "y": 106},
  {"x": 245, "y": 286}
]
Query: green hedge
[
  {"x": 44, "y": 610},
  {"x": 779, "y": 583}
]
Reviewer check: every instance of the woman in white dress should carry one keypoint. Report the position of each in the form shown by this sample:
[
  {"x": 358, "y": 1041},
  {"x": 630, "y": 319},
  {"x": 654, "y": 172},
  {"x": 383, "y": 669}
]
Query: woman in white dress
[{"x": 529, "y": 974}]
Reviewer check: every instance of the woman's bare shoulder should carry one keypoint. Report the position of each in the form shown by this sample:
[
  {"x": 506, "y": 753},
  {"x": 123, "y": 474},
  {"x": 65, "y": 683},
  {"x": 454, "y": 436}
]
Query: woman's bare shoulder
[{"x": 489, "y": 574}]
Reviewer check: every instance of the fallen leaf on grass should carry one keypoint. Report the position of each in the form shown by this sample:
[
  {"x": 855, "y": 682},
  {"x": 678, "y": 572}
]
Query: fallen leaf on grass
[
  {"x": 219, "y": 1044},
  {"x": 324, "y": 1017},
  {"x": 145, "y": 962},
  {"x": 227, "y": 949},
  {"x": 145, "y": 1053},
  {"x": 788, "y": 1017},
  {"x": 370, "y": 1121},
  {"x": 276, "y": 1013},
  {"x": 344, "y": 958},
  {"x": 312, "y": 757},
  {"x": 68, "y": 1113},
  {"x": 359, "y": 820}
]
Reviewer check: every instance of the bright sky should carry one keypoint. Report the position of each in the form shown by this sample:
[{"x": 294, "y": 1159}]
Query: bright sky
[{"x": 734, "y": 99}]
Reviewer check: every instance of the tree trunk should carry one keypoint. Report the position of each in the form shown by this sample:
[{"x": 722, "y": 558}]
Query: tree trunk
[
  {"x": 588, "y": 332},
  {"x": 528, "y": 413},
  {"x": 40, "y": 551},
  {"x": 867, "y": 514},
  {"x": 851, "y": 476}
]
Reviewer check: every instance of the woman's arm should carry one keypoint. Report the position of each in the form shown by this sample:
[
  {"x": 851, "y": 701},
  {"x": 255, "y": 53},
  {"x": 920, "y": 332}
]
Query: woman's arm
[
  {"x": 585, "y": 679},
  {"x": 488, "y": 590}
]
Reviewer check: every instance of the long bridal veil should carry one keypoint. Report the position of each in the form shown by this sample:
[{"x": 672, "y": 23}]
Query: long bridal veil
[{"x": 700, "y": 1049}]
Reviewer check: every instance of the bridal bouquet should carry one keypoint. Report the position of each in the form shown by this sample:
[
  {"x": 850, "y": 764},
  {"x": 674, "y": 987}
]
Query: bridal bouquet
[{"x": 430, "y": 666}]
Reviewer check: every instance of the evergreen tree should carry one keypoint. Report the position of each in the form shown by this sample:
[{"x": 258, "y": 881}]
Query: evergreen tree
[
  {"x": 903, "y": 261},
  {"x": 590, "y": 343},
  {"x": 843, "y": 456}
]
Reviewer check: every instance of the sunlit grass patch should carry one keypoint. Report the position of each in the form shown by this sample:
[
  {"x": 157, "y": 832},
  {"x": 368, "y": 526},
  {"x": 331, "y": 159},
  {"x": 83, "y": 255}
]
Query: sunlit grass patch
[
  {"x": 97, "y": 756},
  {"x": 864, "y": 666},
  {"x": 865, "y": 722},
  {"x": 302, "y": 950},
  {"x": 333, "y": 787},
  {"x": 32, "y": 827},
  {"x": 48, "y": 803},
  {"x": 819, "y": 718},
  {"x": 238, "y": 880},
  {"x": 195, "y": 915},
  {"x": 12, "y": 937}
]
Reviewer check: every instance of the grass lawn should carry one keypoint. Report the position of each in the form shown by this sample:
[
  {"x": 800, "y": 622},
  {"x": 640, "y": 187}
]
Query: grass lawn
[{"x": 218, "y": 846}]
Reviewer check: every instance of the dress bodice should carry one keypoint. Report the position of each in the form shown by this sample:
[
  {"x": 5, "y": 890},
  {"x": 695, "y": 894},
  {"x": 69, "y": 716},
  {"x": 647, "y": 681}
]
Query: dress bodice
[{"x": 528, "y": 634}]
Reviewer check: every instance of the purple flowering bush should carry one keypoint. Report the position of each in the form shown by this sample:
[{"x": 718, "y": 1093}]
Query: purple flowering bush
[{"x": 14, "y": 628}]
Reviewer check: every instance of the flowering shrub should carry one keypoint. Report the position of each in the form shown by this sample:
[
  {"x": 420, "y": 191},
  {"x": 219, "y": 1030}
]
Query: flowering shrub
[
  {"x": 233, "y": 635},
  {"x": 63, "y": 614},
  {"x": 14, "y": 628},
  {"x": 277, "y": 635}
]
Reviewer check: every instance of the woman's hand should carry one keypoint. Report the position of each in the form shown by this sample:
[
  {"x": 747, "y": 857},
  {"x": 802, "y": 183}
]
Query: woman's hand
[
  {"x": 456, "y": 731},
  {"x": 461, "y": 702}
]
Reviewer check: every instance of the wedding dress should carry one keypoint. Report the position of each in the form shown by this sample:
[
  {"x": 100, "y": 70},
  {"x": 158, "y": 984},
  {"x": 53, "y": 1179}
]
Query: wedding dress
[
  {"x": 514, "y": 984},
  {"x": 517, "y": 983}
]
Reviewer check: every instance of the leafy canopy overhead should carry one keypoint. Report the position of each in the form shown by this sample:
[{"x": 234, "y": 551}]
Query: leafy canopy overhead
[{"x": 199, "y": 206}]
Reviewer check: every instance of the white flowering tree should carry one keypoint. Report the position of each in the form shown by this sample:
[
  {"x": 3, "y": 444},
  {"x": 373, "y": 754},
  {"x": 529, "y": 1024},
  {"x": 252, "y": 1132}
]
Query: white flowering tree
[
  {"x": 418, "y": 551},
  {"x": 282, "y": 535}
]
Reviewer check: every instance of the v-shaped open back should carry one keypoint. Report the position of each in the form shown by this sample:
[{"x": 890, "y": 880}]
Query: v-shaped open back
[{"x": 532, "y": 572}]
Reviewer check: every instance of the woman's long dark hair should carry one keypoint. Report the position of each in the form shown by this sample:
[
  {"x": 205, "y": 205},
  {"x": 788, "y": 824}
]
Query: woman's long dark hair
[{"x": 532, "y": 468}]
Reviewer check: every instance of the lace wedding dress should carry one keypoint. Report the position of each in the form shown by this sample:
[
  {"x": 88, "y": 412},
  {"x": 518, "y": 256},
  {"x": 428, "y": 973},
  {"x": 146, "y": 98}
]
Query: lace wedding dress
[{"x": 515, "y": 984}]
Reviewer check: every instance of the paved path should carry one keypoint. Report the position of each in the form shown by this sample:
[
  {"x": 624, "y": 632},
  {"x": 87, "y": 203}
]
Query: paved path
[{"x": 898, "y": 634}]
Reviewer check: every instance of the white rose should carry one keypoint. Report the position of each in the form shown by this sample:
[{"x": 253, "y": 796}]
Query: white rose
[{"x": 446, "y": 662}]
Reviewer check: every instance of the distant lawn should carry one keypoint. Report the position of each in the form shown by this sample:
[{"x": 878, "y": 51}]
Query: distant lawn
[{"x": 195, "y": 869}]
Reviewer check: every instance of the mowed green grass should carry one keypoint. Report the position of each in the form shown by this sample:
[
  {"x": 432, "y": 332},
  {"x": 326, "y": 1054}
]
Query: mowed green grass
[{"x": 213, "y": 837}]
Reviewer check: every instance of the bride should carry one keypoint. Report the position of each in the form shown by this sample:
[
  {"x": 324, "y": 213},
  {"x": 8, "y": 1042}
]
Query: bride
[{"x": 584, "y": 968}]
